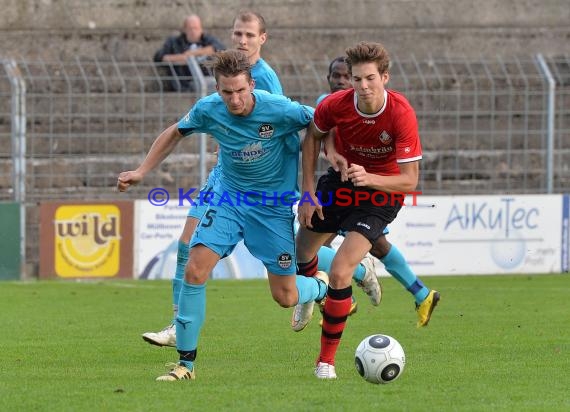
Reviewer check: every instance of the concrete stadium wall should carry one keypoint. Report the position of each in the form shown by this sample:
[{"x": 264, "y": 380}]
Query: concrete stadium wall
[{"x": 134, "y": 29}]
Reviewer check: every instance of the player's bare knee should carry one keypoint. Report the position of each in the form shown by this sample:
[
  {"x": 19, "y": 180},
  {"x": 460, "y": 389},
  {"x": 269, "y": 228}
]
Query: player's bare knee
[
  {"x": 340, "y": 279},
  {"x": 380, "y": 248},
  {"x": 194, "y": 274},
  {"x": 285, "y": 299}
]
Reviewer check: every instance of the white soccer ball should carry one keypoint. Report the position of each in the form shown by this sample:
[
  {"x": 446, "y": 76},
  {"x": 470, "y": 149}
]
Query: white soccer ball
[{"x": 380, "y": 359}]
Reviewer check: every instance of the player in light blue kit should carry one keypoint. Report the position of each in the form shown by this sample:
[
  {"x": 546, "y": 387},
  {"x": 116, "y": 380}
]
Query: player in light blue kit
[
  {"x": 252, "y": 200},
  {"x": 248, "y": 36}
]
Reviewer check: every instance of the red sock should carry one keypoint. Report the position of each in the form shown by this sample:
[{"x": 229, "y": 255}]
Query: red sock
[
  {"x": 308, "y": 269},
  {"x": 337, "y": 307}
]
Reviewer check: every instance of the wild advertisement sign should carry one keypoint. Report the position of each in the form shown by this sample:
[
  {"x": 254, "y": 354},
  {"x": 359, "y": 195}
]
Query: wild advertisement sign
[{"x": 86, "y": 239}]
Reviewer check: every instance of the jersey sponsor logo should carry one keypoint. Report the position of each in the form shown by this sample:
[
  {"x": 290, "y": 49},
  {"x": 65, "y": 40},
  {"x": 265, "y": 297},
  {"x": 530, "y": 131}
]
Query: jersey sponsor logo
[
  {"x": 265, "y": 131},
  {"x": 370, "y": 151},
  {"x": 250, "y": 153},
  {"x": 284, "y": 260},
  {"x": 369, "y": 121},
  {"x": 385, "y": 137}
]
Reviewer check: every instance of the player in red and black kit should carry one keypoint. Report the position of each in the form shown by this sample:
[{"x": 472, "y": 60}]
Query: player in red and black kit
[{"x": 378, "y": 153}]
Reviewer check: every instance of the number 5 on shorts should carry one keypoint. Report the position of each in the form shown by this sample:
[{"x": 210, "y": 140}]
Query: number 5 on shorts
[{"x": 208, "y": 218}]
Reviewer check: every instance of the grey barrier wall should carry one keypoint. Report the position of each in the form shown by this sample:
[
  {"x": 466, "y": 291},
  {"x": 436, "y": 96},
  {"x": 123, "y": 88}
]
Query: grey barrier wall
[
  {"x": 135, "y": 29},
  {"x": 488, "y": 125}
]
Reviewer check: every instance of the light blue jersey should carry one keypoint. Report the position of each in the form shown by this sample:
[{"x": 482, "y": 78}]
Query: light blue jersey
[
  {"x": 255, "y": 151},
  {"x": 257, "y": 161},
  {"x": 265, "y": 78},
  {"x": 321, "y": 98}
]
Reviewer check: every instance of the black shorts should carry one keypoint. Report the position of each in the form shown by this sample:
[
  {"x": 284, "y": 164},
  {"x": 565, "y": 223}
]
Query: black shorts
[{"x": 352, "y": 209}]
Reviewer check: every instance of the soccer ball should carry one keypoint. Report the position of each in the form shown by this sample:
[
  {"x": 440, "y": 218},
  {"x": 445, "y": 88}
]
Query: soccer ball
[{"x": 379, "y": 359}]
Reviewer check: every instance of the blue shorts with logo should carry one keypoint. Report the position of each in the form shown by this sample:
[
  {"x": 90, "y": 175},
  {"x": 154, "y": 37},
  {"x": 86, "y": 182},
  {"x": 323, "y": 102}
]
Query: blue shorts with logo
[
  {"x": 267, "y": 232},
  {"x": 200, "y": 205}
]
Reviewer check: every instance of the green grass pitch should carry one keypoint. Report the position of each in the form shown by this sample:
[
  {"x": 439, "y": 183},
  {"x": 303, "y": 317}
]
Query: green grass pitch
[{"x": 499, "y": 343}]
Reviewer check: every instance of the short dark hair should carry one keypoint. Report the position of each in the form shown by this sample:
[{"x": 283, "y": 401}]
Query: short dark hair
[
  {"x": 368, "y": 52},
  {"x": 249, "y": 15},
  {"x": 339, "y": 59},
  {"x": 231, "y": 63}
]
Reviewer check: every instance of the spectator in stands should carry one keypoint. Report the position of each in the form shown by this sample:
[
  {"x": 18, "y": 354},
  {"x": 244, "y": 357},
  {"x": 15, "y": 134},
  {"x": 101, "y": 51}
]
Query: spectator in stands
[{"x": 176, "y": 50}]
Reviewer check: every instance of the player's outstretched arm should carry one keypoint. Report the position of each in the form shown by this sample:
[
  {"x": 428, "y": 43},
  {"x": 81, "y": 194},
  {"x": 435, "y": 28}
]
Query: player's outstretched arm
[{"x": 160, "y": 149}]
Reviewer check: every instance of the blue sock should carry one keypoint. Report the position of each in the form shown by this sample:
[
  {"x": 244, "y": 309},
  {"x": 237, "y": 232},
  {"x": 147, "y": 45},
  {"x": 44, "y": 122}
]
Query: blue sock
[
  {"x": 191, "y": 314},
  {"x": 181, "y": 261},
  {"x": 309, "y": 289},
  {"x": 359, "y": 273},
  {"x": 326, "y": 256},
  {"x": 397, "y": 266}
]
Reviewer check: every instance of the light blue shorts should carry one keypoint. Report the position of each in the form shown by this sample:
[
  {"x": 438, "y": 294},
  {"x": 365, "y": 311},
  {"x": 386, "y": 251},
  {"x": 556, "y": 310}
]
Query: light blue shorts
[
  {"x": 267, "y": 231},
  {"x": 198, "y": 209}
]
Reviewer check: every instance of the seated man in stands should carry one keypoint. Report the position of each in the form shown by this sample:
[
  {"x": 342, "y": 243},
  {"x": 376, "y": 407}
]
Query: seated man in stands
[{"x": 174, "y": 54}]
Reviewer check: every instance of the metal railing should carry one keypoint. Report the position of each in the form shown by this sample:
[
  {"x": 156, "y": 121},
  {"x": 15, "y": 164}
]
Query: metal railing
[
  {"x": 490, "y": 125},
  {"x": 203, "y": 85}
]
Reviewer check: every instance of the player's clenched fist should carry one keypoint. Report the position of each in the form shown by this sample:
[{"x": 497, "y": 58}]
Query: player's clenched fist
[
  {"x": 358, "y": 175},
  {"x": 127, "y": 179}
]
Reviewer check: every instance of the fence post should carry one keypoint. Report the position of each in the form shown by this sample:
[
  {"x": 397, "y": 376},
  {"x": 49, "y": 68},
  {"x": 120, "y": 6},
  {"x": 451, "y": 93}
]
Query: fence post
[
  {"x": 202, "y": 88},
  {"x": 549, "y": 122},
  {"x": 18, "y": 138}
]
